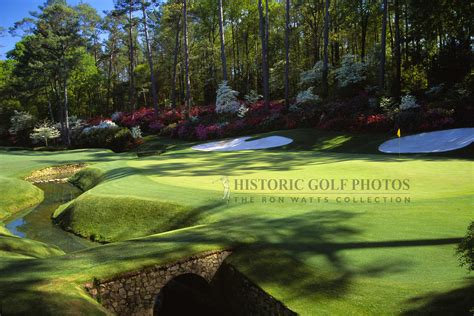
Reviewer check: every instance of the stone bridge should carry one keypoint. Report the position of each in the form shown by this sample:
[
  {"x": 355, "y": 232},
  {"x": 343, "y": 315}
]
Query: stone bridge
[{"x": 135, "y": 293}]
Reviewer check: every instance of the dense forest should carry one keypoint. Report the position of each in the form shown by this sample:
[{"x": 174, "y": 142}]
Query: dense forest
[{"x": 71, "y": 60}]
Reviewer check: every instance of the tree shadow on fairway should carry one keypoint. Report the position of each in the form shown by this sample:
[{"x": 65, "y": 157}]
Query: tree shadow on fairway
[
  {"x": 34, "y": 297},
  {"x": 456, "y": 302},
  {"x": 189, "y": 163},
  {"x": 303, "y": 255}
]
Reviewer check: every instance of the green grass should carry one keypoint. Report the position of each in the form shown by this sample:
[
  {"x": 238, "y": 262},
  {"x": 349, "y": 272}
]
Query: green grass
[
  {"x": 87, "y": 179},
  {"x": 4, "y": 231},
  {"x": 29, "y": 248},
  {"x": 318, "y": 258},
  {"x": 17, "y": 195},
  {"x": 90, "y": 216}
]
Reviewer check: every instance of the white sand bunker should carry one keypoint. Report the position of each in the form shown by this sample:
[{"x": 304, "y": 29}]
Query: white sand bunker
[
  {"x": 433, "y": 142},
  {"x": 241, "y": 143}
]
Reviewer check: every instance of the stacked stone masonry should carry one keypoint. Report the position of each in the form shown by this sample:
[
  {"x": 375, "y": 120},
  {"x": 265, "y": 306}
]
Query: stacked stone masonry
[{"x": 135, "y": 293}]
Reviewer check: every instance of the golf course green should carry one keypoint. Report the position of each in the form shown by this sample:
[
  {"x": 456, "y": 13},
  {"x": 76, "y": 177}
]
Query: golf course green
[{"x": 321, "y": 248}]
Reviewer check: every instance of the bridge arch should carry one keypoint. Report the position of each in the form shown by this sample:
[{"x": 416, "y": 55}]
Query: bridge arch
[{"x": 135, "y": 293}]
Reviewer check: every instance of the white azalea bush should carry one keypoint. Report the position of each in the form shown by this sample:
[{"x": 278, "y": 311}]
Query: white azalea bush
[
  {"x": 44, "y": 132},
  {"x": 351, "y": 71},
  {"x": 102, "y": 125},
  {"x": 136, "y": 132},
  {"x": 242, "y": 111},
  {"x": 408, "y": 102},
  {"x": 109, "y": 135},
  {"x": 21, "y": 121},
  {"x": 252, "y": 97},
  {"x": 312, "y": 76},
  {"x": 21, "y": 125},
  {"x": 307, "y": 97},
  {"x": 386, "y": 102},
  {"x": 116, "y": 116},
  {"x": 226, "y": 101}
]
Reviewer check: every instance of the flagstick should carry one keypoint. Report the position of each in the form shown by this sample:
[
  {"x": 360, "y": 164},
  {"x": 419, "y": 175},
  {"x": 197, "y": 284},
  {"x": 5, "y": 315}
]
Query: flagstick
[{"x": 398, "y": 147}]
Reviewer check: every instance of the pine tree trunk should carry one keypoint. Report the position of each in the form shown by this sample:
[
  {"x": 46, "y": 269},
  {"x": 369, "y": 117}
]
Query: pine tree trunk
[
  {"x": 383, "y": 44},
  {"x": 364, "y": 23},
  {"x": 398, "y": 55},
  {"x": 175, "y": 64},
  {"x": 287, "y": 54},
  {"x": 326, "y": 55},
  {"x": 186, "y": 58},
  {"x": 263, "y": 36},
  {"x": 222, "y": 36},
  {"x": 109, "y": 77},
  {"x": 67, "y": 136},
  {"x": 150, "y": 58},
  {"x": 132, "y": 89}
]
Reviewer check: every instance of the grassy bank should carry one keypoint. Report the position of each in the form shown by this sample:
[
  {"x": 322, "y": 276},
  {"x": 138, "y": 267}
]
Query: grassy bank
[{"x": 318, "y": 256}]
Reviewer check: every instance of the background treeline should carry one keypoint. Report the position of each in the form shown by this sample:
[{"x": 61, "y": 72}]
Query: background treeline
[{"x": 72, "y": 60}]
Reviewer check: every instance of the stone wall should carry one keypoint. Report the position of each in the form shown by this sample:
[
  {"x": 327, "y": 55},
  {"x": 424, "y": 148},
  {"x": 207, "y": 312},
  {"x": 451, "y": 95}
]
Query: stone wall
[
  {"x": 135, "y": 293},
  {"x": 243, "y": 297}
]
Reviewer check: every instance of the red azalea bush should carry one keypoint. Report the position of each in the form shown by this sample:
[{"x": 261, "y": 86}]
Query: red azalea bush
[
  {"x": 96, "y": 120},
  {"x": 436, "y": 119},
  {"x": 374, "y": 122},
  {"x": 354, "y": 114}
]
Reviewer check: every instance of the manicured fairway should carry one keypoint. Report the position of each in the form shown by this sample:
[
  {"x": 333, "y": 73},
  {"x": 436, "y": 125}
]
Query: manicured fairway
[{"x": 317, "y": 256}]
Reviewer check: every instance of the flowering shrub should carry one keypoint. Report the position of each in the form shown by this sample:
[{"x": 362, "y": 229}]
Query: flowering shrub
[
  {"x": 201, "y": 132},
  {"x": 385, "y": 102},
  {"x": 96, "y": 120},
  {"x": 312, "y": 76},
  {"x": 117, "y": 116},
  {"x": 142, "y": 117},
  {"x": 21, "y": 125},
  {"x": 342, "y": 123},
  {"x": 242, "y": 111},
  {"x": 408, "y": 102},
  {"x": 307, "y": 96},
  {"x": 353, "y": 114},
  {"x": 294, "y": 108},
  {"x": 252, "y": 97},
  {"x": 226, "y": 101},
  {"x": 43, "y": 132},
  {"x": 102, "y": 125},
  {"x": 435, "y": 90},
  {"x": 373, "y": 122},
  {"x": 136, "y": 132},
  {"x": 436, "y": 118},
  {"x": 351, "y": 71},
  {"x": 21, "y": 121},
  {"x": 116, "y": 138}
]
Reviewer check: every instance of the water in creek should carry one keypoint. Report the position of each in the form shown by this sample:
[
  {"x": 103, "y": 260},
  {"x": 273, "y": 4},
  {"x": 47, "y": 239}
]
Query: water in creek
[{"x": 35, "y": 223}]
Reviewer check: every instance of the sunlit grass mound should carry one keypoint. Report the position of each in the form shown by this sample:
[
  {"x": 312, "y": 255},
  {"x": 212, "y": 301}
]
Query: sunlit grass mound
[
  {"x": 113, "y": 218},
  {"x": 12, "y": 245},
  {"x": 16, "y": 194},
  {"x": 4, "y": 231}
]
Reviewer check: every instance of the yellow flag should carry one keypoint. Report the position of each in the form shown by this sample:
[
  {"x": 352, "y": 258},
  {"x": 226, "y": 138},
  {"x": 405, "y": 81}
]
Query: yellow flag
[{"x": 399, "y": 134}]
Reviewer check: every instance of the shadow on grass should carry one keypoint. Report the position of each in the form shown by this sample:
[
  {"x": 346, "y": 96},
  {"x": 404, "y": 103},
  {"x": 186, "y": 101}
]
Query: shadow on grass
[
  {"x": 456, "y": 302},
  {"x": 276, "y": 252},
  {"x": 310, "y": 139},
  {"x": 190, "y": 163}
]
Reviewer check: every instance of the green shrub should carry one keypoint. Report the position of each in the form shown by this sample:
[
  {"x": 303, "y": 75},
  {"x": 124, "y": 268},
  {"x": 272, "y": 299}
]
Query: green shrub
[
  {"x": 122, "y": 140},
  {"x": 87, "y": 178},
  {"x": 110, "y": 219},
  {"x": 116, "y": 138},
  {"x": 466, "y": 249},
  {"x": 408, "y": 120}
]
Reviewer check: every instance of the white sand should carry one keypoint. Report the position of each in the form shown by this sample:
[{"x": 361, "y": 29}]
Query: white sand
[
  {"x": 241, "y": 143},
  {"x": 432, "y": 142}
]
